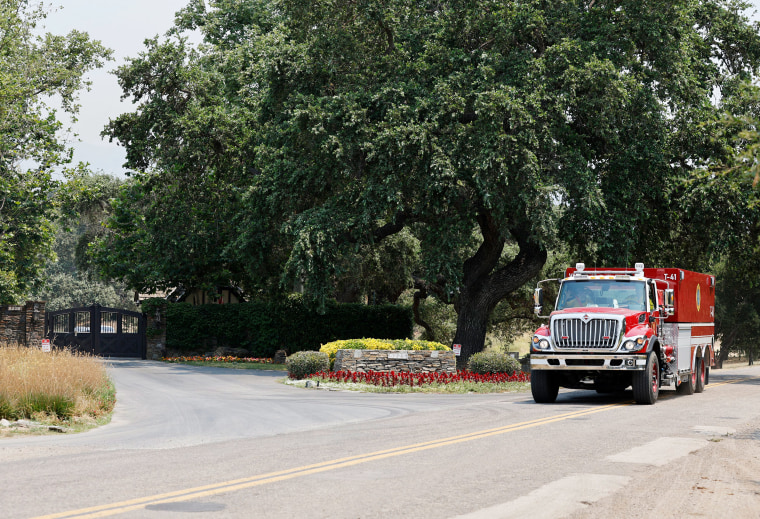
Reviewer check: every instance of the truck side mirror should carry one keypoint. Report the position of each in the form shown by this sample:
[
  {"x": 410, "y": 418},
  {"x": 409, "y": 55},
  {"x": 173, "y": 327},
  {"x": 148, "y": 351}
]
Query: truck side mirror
[
  {"x": 538, "y": 301},
  {"x": 669, "y": 301}
]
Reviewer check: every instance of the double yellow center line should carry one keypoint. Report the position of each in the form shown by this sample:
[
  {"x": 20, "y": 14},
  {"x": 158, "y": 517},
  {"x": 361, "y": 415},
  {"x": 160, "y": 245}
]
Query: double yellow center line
[{"x": 273, "y": 477}]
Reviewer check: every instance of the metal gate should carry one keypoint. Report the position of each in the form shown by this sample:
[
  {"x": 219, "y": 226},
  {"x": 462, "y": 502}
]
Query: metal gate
[{"x": 107, "y": 332}]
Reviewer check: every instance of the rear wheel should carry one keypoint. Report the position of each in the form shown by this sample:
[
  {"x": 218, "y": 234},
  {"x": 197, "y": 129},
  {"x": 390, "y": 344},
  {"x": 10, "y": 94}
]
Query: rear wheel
[
  {"x": 544, "y": 386},
  {"x": 646, "y": 384},
  {"x": 701, "y": 376},
  {"x": 690, "y": 385}
]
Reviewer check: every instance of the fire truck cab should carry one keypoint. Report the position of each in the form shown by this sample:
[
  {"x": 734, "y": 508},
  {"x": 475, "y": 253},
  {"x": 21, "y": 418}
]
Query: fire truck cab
[{"x": 617, "y": 328}]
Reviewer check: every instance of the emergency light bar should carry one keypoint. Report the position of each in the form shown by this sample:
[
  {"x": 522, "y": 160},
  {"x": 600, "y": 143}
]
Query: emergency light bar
[{"x": 580, "y": 272}]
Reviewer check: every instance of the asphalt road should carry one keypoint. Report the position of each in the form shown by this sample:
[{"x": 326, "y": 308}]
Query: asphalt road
[{"x": 215, "y": 443}]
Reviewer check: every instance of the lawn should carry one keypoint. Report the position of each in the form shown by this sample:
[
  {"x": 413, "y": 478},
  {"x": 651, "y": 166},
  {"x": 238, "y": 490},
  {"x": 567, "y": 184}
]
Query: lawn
[{"x": 228, "y": 362}]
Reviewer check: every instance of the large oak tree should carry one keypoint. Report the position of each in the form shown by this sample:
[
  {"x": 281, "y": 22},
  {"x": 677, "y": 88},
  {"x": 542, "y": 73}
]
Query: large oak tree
[{"x": 334, "y": 124}]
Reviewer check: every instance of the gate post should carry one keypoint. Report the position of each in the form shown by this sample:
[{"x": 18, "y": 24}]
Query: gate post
[
  {"x": 35, "y": 323},
  {"x": 155, "y": 333},
  {"x": 95, "y": 329}
]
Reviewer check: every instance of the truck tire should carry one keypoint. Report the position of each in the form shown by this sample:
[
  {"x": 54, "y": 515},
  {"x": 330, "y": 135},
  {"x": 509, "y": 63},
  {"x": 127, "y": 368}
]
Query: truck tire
[
  {"x": 544, "y": 386},
  {"x": 646, "y": 384},
  {"x": 688, "y": 387},
  {"x": 701, "y": 376}
]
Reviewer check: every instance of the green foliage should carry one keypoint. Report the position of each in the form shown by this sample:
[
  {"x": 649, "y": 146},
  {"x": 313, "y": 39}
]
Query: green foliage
[
  {"x": 69, "y": 291},
  {"x": 152, "y": 304},
  {"x": 33, "y": 70},
  {"x": 331, "y": 348},
  {"x": 26, "y": 231},
  {"x": 7, "y": 409},
  {"x": 265, "y": 327},
  {"x": 84, "y": 202},
  {"x": 439, "y": 318},
  {"x": 493, "y": 362},
  {"x": 737, "y": 307},
  {"x": 314, "y": 131},
  {"x": 304, "y": 363},
  {"x": 720, "y": 225},
  {"x": 58, "y": 405},
  {"x": 167, "y": 234}
]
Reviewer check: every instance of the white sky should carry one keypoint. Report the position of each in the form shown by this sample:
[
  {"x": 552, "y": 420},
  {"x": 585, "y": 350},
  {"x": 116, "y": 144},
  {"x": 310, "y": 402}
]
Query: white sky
[{"x": 121, "y": 25}]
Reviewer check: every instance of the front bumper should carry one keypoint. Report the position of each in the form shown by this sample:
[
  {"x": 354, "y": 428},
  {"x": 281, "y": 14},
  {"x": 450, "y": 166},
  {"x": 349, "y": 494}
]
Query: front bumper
[{"x": 593, "y": 362}]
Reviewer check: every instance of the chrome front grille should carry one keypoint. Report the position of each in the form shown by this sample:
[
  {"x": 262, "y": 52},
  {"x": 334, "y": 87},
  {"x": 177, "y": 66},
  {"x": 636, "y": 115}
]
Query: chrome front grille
[{"x": 582, "y": 334}]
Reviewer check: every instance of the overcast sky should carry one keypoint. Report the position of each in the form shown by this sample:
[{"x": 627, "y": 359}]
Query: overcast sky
[{"x": 121, "y": 25}]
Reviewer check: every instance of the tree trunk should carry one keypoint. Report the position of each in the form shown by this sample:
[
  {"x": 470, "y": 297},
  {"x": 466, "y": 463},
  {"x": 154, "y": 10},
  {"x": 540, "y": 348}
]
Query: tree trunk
[
  {"x": 419, "y": 295},
  {"x": 484, "y": 285},
  {"x": 726, "y": 343},
  {"x": 472, "y": 325}
]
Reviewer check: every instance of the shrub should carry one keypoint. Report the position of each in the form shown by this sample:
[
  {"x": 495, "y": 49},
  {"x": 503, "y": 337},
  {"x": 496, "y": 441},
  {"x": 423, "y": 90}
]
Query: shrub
[
  {"x": 493, "y": 362},
  {"x": 263, "y": 327},
  {"x": 304, "y": 363},
  {"x": 331, "y": 348}
]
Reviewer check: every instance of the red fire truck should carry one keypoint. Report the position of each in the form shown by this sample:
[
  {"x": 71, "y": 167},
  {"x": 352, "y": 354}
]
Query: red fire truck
[{"x": 612, "y": 328}]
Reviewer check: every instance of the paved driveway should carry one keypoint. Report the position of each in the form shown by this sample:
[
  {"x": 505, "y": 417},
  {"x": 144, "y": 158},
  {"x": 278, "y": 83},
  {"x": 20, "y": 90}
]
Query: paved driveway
[{"x": 162, "y": 405}]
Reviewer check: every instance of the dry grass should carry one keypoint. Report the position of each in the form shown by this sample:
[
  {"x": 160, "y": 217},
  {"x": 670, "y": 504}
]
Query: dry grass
[{"x": 55, "y": 386}]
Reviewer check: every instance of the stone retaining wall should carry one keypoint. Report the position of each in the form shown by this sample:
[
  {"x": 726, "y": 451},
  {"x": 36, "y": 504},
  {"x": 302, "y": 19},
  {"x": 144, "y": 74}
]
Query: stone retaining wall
[
  {"x": 414, "y": 361},
  {"x": 23, "y": 325}
]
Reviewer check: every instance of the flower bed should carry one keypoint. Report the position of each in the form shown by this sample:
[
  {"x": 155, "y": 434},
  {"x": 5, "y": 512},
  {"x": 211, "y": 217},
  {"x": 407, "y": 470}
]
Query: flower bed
[
  {"x": 331, "y": 348},
  {"x": 200, "y": 358},
  {"x": 393, "y": 379}
]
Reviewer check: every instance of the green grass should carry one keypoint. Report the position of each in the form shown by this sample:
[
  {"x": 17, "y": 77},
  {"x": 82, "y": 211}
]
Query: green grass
[
  {"x": 227, "y": 362},
  {"x": 234, "y": 365}
]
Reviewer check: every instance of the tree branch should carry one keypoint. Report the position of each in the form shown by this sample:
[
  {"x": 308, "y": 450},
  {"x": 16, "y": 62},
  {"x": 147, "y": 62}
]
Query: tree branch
[{"x": 419, "y": 295}]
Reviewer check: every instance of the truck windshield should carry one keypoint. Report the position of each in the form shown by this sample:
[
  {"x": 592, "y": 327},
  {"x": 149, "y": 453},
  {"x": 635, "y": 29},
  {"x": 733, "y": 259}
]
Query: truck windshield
[{"x": 607, "y": 293}]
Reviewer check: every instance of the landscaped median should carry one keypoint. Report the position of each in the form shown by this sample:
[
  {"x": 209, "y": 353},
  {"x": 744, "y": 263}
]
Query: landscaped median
[{"x": 487, "y": 372}]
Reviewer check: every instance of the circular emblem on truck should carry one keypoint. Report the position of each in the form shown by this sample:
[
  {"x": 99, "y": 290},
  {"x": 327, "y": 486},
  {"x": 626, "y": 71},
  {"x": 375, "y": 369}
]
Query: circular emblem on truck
[{"x": 699, "y": 297}]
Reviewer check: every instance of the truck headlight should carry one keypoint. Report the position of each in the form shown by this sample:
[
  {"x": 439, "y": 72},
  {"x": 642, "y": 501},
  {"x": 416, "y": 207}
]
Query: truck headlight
[
  {"x": 633, "y": 344},
  {"x": 628, "y": 346},
  {"x": 540, "y": 344}
]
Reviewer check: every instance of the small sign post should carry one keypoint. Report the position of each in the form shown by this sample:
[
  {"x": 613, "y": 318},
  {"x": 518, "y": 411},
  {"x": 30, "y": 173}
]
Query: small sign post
[
  {"x": 457, "y": 350},
  {"x": 46, "y": 345}
]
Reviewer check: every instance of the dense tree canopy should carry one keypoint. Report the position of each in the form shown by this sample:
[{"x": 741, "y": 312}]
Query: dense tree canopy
[
  {"x": 32, "y": 69},
  {"x": 83, "y": 204},
  {"x": 327, "y": 126}
]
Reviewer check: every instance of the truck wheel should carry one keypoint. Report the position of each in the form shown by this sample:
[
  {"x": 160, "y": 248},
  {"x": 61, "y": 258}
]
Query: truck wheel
[
  {"x": 701, "y": 376},
  {"x": 646, "y": 384},
  {"x": 688, "y": 387},
  {"x": 544, "y": 386}
]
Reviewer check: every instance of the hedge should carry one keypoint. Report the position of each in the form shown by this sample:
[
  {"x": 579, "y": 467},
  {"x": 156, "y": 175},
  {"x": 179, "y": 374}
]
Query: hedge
[{"x": 292, "y": 325}]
